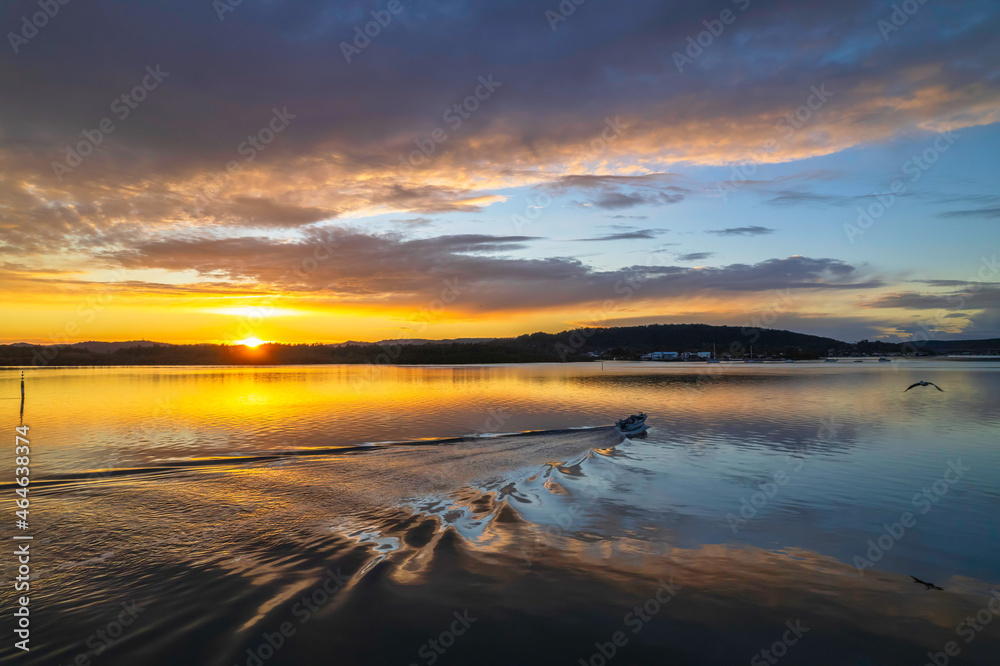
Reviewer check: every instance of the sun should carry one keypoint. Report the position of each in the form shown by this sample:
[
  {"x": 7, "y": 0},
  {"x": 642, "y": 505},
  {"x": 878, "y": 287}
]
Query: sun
[{"x": 250, "y": 342}]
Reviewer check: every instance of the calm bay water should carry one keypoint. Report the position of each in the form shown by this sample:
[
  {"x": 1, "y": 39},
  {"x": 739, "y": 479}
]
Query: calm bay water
[{"x": 321, "y": 501}]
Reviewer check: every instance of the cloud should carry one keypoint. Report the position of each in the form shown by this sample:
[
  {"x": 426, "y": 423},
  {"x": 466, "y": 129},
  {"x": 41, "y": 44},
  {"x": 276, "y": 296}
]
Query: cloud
[
  {"x": 619, "y": 200},
  {"x": 414, "y": 222},
  {"x": 542, "y": 123},
  {"x": 643, "y": 234},
  {"x": 597, "y": 110},
  {"x": 971, "y": 310},
  {"x": 619, "y": 192},
  {"x": 789, "y": 197},
  {"x": 341, "y": 266},
  {"x": 695, "y": 256},
  {"x": 742, "y": 231},
  {"x": 977, "y": 297},
  {"x": 266, "y": 212},
  {"x": 956, "y": 283},
  {"x": 990, "y": 212}
]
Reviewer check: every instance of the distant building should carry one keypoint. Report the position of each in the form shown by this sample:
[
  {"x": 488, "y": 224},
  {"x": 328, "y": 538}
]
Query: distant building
[{"x": 660, "y": 356}]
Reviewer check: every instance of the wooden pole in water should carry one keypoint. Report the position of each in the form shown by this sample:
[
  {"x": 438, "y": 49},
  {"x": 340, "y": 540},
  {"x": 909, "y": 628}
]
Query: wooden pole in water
[{"x": 22, "y": 385}]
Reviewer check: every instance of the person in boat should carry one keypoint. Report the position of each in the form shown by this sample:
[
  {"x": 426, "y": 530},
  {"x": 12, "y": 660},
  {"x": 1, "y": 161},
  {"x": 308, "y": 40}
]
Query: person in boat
[{"x": 632, "y": 420}]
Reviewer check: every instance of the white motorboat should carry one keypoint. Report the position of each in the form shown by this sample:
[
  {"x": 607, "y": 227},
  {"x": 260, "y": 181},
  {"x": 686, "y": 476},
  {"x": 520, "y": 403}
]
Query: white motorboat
[
  {"x": 632, "y": 425},
  {"x": 883, "y": 359}
]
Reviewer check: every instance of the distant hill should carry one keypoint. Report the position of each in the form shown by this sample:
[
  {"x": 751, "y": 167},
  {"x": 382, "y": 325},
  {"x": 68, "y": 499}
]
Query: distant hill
[
  {"x": 108, "y": 347},
  {"x": 626, "y": 343},
  {"x": 424, "y": 341}
]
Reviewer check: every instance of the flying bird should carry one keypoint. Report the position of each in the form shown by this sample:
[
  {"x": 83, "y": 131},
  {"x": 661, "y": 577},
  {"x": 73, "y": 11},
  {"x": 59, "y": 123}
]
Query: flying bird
[
  {"x": 929, "y": 586},
  {"x": 923, "y": 383}
]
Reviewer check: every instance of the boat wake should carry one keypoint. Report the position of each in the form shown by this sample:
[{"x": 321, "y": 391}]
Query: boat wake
[{"x": 486, "y": 441}]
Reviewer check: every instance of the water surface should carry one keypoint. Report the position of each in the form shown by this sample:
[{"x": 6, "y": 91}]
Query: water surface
[{"x": 362, "y": 508}]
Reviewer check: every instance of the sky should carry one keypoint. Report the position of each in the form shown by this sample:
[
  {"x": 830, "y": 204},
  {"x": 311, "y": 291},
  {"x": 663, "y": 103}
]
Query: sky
[{"x": 313, "y": 171}]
